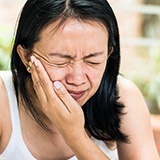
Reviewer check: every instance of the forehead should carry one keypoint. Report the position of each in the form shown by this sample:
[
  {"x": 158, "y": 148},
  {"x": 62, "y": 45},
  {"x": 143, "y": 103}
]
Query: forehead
[
  {"x": 74, "y": 36},
  {"x": 73, "y": 25}
]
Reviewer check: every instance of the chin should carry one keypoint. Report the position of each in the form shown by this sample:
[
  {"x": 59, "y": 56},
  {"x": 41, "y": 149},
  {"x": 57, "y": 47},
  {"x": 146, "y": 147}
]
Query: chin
[{"x": 82, "y": 102}]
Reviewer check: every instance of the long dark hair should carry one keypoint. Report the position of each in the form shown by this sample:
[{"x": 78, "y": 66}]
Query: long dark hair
[{"x": 102, "y": 112}]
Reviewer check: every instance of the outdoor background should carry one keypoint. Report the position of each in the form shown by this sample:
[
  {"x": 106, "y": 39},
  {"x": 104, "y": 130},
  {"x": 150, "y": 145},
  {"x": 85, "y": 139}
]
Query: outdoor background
[{"x": 139, "y": 24}]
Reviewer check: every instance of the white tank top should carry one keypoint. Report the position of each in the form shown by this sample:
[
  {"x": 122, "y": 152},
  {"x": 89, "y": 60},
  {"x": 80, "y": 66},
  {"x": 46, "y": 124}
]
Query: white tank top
[{"x": 16, "y": 148}]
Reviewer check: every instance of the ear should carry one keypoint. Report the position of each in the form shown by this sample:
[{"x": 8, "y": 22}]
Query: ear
[{"x": 23, "y": 54}]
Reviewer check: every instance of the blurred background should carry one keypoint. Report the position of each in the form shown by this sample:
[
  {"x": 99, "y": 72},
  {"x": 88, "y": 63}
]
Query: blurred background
[{"x": 139, "y": 25}]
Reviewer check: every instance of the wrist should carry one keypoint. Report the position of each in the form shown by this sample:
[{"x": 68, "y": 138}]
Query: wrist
[{"x": 76, "y": 138}]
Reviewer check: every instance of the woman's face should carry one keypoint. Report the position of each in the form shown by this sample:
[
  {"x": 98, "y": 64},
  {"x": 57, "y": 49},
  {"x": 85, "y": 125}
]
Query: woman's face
[{"x": 75, "y": 54}]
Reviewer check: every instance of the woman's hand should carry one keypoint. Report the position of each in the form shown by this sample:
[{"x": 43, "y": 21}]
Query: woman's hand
[
  {"x": 64, "y": 112},
  {"x": 57, "y": 104}
]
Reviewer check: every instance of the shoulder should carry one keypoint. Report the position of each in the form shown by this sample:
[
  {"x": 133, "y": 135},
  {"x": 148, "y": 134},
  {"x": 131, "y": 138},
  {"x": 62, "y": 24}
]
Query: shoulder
[
  {"x": 126, "y": 85},
  {"x": 135, "y": 105},
  {"x": 2, "y": 91},
  {"x": 135, "y": 123},
  {"x": 128, "y": 91},
  {"x": 4, "y": 109},
  {"x": 136, "y": 111}
]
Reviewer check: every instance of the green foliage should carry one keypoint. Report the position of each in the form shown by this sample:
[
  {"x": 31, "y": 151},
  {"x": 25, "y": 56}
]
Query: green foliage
[
  {"x": 154, "y": 85},
  {"x": 149, "y": 81},
  {"x": 150, "y": 84},
  {"x": 5, "y": 49}
]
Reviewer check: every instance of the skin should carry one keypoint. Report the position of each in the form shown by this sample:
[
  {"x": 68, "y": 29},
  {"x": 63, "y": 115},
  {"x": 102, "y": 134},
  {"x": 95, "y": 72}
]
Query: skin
[
  {"x": 71, "y": 59},
  {"x": 63, "y": 85},
  {"x": 155, "y": 119}
]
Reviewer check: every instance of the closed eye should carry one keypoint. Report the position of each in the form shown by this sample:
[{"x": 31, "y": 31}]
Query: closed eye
[
  {"x": 60, "y": 62},
  {"x": 93, "y": 63},
  {"x": 64, "y": 64},
  {"x": 94, "y": 58}
]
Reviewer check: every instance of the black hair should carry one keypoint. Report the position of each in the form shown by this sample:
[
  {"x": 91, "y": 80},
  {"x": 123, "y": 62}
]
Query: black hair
[{"x": 102, "y": 112}]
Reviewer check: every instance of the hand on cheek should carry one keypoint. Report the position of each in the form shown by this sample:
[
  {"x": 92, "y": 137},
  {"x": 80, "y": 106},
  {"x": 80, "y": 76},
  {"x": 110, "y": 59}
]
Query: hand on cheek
[{"x": 56, "y": 102}]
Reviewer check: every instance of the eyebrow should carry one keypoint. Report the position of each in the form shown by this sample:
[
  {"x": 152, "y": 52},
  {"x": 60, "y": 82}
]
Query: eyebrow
[
  {"x": 66, "y": 56},
  {"x": 61, "y": 55},
  {"x": 94, "y": 54},
  {"x": 54, "y": 54}
]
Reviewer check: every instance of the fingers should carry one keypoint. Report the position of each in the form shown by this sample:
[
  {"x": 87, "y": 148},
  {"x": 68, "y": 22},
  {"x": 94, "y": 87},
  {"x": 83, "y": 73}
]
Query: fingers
[
  {"x": 44, "y": 87},
  {"x": 74, "y": 109},
  {"x": 52, "y": 96},
  {"x": 57, "y": 104},
  {"x": 65, "y": 97},
  {"x": 36, "y": 81}
]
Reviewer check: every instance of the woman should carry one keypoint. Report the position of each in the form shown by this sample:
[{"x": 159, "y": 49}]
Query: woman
[{"x": 67, "y": 101}]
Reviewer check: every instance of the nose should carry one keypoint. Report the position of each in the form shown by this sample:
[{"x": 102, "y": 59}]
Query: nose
[{"x": 77, "y": 75}]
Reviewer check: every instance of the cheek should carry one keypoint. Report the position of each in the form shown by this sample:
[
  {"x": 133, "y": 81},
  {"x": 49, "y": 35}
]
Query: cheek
[
  {"x": 57, "y": 74},
  {"x": 95, "y": 81},
  {"x": 95, "y": 77},
  {"x": 97, "y": 72}
]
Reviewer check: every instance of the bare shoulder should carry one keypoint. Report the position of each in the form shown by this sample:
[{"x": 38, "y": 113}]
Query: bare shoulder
[
  {"x": 2, "y": 101},
  {"x": 125, "y": 84},
  {"x": 137, "y": 113},
  {"x": 135, "y": 123},
  {"x": 128, "y": 91},
  {"x": 4, "y": 108}
]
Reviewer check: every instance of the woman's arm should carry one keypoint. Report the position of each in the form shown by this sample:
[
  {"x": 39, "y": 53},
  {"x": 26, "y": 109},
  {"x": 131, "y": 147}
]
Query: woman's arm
[
  {"x": 155, "y": 121},
  {"x": 136, "y": 123},
  {"x": 1, "y": 89},
  {"x": 65, "y": 113},
  {"x": 5, "y": 121}
]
